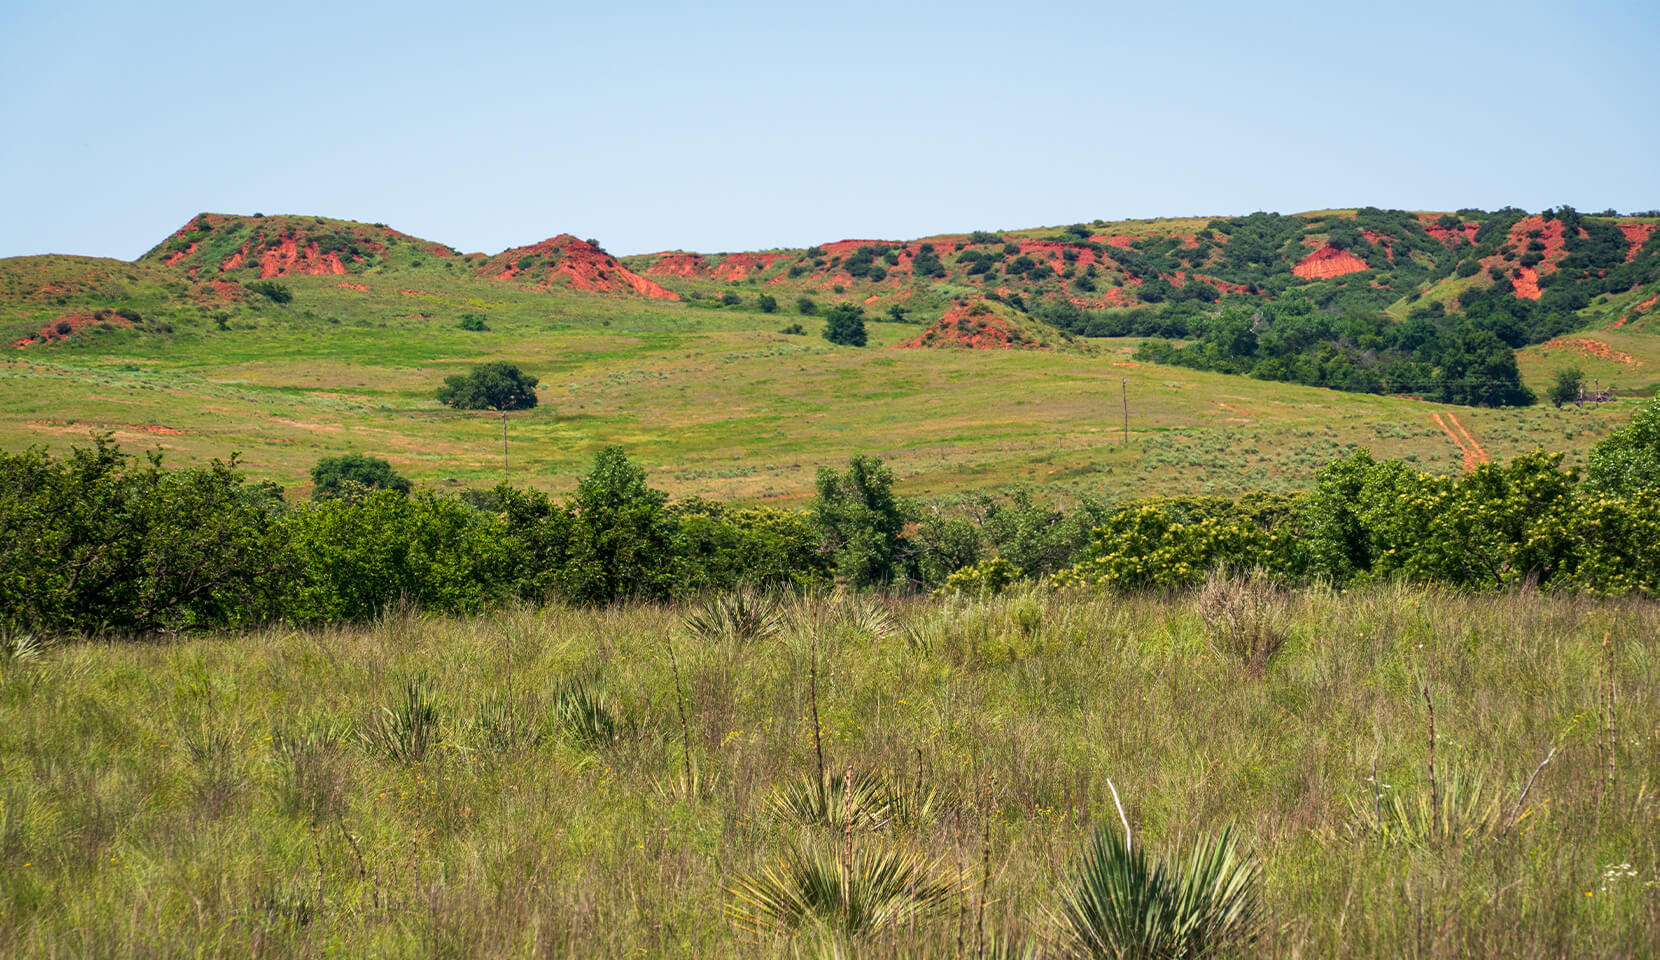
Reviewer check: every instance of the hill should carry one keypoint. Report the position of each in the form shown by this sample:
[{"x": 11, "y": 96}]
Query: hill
[{"x": 290, "y": 338}]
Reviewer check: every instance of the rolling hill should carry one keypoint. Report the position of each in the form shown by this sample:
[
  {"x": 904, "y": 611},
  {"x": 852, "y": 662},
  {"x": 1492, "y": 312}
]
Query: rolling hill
[{"x": 289, "y": 338}]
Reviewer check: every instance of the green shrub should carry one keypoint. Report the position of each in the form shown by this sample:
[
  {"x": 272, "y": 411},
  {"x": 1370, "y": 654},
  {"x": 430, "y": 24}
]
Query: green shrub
[
  {"x": 271, "y": 290},
  {"x": 844, "y": 324},
  {"x": 489, "y": 386},
  {"x": 1626, "y": 463},
  {"x": 767, "y": 302},
  {"x": 473, "y": 322},
  {"x": 862, "y": 522},
  {"x": 353, "y": 473},
  {"x": 96, "y": 543},
  {"x": 359, "y": 557}
]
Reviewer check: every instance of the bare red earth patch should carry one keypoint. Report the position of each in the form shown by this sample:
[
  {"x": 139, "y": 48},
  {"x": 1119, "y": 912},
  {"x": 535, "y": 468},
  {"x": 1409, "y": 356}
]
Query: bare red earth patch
[
  {"x": 288, "y": 257},
  {"x": 1637, "y": 234},
  {"x": 578, "y": 263},
  {"x": 1594, "y": 349},
  {"x": 360, "y": 287},
  {"x": 67, "y": 325},
  {"x": 740, "y": 265},
  {"x": 1326, "y": 262},
  {"x": 678, "y": 265},
  {"x": 974, "y": 326}
]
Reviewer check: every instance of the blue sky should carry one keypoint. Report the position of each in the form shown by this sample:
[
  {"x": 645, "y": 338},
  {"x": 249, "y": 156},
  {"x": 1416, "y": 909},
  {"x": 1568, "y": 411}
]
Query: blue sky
[{"x": 749, "y": 125}]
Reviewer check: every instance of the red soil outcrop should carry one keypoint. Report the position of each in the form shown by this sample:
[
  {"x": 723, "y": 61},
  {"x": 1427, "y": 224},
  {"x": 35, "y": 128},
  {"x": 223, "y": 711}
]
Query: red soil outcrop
[
  {"x": 180, "y": 255},
  {"x": 1526, "y": 285},
  {"x": 1327, "y": 262},
  {"x": 577, "y": 263},
  {"x": 360, "y": 287},
  {"x": 678, "y": 265},
  {"x": 1594, "y": 349},
  {"x": 1637, "y": 234},
  {"x": 740, "y": 265},
  {"x": 65, "y": 326},
  {"x": 974, "y": 326},
  {"x": 1448, "y": 235},
  {"x": 288, "y": 257}
]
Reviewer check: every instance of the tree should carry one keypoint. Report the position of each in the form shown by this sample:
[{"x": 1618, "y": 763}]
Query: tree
[
  {"x": 862, "y": 523},
  {"x": 896, "y": 314},
  {"x": 844, "y": 323},
  {"x": 767, "y": 302},
  {"x": 490, "y": 386},
  {"x": 1567, "y": 385},
  {"x": 335, "y": 478},
  {"x": 805, "y": 306},
  {"x": 1627, "y": 461}
]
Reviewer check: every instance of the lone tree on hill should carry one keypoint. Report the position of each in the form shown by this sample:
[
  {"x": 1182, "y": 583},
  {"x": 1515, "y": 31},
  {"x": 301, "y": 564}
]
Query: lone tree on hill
[
  {"x": 335, "y": 478},
  {"x": 844, "y": 323},
  {"x": 491, "y": 386}
]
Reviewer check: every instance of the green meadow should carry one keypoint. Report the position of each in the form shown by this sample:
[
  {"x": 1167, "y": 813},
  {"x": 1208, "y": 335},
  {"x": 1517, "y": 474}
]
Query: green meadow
[{"x": 716, "y": 401}]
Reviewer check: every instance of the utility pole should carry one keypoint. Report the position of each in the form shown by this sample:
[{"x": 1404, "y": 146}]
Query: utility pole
[{"x": 1124, "y": 388}]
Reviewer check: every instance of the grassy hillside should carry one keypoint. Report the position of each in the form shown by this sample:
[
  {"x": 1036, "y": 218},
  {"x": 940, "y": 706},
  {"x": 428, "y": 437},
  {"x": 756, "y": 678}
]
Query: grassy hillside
[
  {"x": 187, "y": 350},
  {"x": 237, "y": 795}
]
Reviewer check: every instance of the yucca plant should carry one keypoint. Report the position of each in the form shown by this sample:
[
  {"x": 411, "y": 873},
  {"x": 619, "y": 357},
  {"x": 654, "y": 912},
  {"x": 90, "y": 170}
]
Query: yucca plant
[
  {"x": 742, "y": 615},
  {"x": 1124, "y": 903},
  {"x": 407, "y": 731},
  {"x": 1465, "y": 809},
  {"x": 20, "y": 646},
  {"x": 866, "y": 616},
  {"x": 849, "y": 895},
  {"x": 864, "y": 802},
  {"x": 501, "y": 725},
  {"x": 583, "y": 714}
]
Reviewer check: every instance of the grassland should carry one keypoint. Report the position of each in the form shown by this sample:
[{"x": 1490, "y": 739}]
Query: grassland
[
  {"x": 218, "y": 796},
  {"x": 716, "y": 401}
]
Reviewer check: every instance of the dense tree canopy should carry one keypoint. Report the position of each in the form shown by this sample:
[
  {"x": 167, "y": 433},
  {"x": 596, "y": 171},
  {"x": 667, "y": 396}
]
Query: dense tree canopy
[{"x": 490, "y": 386}]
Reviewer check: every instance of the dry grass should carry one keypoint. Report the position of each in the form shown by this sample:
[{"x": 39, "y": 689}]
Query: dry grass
[{"x": 213, "y": 796}]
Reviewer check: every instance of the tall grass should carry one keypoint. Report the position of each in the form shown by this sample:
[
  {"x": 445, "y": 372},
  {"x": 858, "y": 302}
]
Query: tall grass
[{"x": 213, "y": 796}]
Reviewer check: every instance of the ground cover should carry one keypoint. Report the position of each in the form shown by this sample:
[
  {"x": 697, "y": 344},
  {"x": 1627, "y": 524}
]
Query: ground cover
[{"x": 248, "y": 794}]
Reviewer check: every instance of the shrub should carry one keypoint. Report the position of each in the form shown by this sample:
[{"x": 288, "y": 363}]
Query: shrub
[
  {"x": 767, "y": 302},
  {"x": 845, "y": 324},
  {"x": 271, "y": 290},
  {"x": 1247, "y": 616},
  {"x": 473, "y": 322},
  {"x": 870, "y": 891},
  {"x": 353, "y": 473},
  {"x": 358, "y": 557},
  {"x": 730, "y": 299},
  {"x": 805, "y": 306},
  {"x": 1626, "y": 463},
  {"x": 794, "y": 330},
  {"x": 986, "y": 578},
  {"x": 95, "y": 543},
  {"x": 489, "y": 386},
  {"x": 862, "y": 522},
  {"x": 1567, "y": 386}
]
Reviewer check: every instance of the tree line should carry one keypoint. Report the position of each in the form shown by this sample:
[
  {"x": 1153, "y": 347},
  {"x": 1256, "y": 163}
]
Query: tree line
[{"x": 100, "y": 542}]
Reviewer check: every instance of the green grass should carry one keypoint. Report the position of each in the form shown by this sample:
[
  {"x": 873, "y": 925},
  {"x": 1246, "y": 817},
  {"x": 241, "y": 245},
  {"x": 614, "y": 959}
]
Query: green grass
[
  {"x": 694, "y": 392},
  {"x": 219, "y": 796}
]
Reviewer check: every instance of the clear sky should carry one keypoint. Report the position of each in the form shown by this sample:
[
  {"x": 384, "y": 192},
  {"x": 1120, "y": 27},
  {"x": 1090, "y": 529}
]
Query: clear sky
[{"x": 735, "y": 126}]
